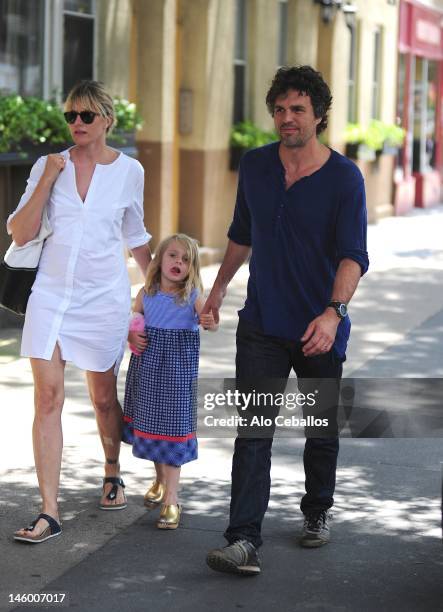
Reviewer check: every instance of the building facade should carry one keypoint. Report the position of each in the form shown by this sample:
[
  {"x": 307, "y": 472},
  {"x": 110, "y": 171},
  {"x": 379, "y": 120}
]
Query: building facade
[
  {"x": 217, "y": 61},
  {"x": 196, "y": 67}
]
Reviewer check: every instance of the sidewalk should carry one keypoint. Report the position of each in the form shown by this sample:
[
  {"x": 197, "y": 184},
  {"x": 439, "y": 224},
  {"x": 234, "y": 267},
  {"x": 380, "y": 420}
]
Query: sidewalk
[{"x": 386, "y": 552}]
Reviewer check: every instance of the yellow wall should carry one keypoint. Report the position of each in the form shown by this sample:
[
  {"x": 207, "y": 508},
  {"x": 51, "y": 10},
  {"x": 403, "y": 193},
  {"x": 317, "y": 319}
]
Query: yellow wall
[
  {"x": 302, "y": 32},
  {"x": 207, "y": 188},
  {"x": 262, "y": 52},
  {"x": 333, "y": 60},
  {"x": 378, "y": 14},
  {"x": 156, "y": 68},
  {"x": 333, "y": 57},
  {"x": 206, "y": 70}
]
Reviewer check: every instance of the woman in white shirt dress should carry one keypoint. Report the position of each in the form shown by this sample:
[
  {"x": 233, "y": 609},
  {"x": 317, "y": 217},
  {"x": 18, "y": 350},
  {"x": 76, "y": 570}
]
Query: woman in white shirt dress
[{"x": 79, "y": 307}]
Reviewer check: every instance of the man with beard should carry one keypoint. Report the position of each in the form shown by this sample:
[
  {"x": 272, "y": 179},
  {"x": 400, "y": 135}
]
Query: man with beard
[{"x": 301, "y": 214}]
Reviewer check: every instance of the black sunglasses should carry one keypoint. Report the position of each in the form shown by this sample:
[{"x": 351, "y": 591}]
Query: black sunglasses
[{"x": 86, "y": 116}]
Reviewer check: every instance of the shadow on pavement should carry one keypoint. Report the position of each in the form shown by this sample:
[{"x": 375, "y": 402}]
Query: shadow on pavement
[{"x": 386, "y": 551}]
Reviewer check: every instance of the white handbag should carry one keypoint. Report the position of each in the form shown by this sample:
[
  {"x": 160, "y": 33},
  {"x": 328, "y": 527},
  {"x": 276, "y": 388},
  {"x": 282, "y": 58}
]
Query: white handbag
[{"x": 19, "y": 269}]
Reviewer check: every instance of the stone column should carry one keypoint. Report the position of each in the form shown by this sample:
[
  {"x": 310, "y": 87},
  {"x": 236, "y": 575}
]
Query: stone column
[
  {"x": 263, "y": 26},
  {"x": 156, "y": 43},
  {"x": 207, "y": 187},
  {"x": 113, "y": 45}
]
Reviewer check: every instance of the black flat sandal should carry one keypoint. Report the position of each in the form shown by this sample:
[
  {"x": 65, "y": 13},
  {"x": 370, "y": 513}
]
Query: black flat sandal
[
  {"x": 52, "y": 530},
  {"x": 116, "y": 482}
]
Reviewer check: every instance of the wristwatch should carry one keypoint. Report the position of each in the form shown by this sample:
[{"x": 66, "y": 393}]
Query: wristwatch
[{"x": 340, "y": 308}]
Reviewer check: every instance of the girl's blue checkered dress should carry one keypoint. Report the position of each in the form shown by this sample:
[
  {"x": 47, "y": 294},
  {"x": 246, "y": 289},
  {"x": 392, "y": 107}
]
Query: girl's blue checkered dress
[{"x": 160, "y": 406}]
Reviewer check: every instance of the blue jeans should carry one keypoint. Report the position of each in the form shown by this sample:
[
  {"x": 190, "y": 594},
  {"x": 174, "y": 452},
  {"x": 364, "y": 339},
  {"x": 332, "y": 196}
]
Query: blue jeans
[{"x": 262, "y": 360}]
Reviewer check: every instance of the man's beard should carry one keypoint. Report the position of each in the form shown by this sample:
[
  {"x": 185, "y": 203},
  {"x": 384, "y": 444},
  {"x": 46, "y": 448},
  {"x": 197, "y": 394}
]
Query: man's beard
[
  {"x": 296, "y": 141},
  {"x": 293, "y": 142}
]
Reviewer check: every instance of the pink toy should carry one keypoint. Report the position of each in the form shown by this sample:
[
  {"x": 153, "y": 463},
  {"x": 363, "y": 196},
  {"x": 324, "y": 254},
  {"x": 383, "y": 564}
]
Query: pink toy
[{"x": 137, "y": 323}]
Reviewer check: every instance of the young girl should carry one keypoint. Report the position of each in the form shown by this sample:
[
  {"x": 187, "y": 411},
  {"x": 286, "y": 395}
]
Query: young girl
[{"x": 161, "y": 385}]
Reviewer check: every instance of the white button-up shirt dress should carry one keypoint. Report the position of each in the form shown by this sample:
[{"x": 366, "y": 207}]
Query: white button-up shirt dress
[{"x": 81, "y": 296}]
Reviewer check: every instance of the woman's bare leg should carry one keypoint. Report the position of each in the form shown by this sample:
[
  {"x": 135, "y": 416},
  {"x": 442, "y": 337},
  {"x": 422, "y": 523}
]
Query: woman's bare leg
[
  {"x": 47, "y": 433},
  {"x": 108, "y": 413}
]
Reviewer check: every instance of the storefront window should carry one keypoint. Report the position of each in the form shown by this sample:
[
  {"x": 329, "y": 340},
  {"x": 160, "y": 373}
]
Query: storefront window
[
  {"x": 431, "y": 107},
  {"x": 425, "y": 102},
  {"x": 21, "y": 45},
  {"x": 401, "y": 114},
  {"x": 419, "y": 117}
]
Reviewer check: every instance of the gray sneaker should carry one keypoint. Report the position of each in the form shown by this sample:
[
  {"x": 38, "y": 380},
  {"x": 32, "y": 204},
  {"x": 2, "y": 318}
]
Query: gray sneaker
[
  {"x": 241, "y": 557},
  {"x": 316, "y": 529}
]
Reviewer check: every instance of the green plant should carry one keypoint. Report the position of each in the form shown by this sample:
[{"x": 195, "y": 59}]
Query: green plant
[
  {"x": 375, "y": 135},
  {"x": 394, "y": 135},
  {"x": 247, "y": 135},
  {"x": 371, "y": 136},
  {"x": 30, "y": 119},
  {"x": 38, "y": 121},
  {"x": 127, "y": 117}
]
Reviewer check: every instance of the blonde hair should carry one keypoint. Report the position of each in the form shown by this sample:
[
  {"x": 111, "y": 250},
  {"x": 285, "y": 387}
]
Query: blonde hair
[
  {"x": 92, "y": 95},
  {"x": 192, "y": 281}
]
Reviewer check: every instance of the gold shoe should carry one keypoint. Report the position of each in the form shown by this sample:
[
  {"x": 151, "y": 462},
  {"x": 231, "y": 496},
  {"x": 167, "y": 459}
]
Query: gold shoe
[
  {"x": 154, "y": 495},
  {"x": 169, "y": 516}
]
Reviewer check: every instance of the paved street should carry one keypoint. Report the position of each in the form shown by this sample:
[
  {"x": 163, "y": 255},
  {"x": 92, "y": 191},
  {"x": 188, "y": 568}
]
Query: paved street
[{"x": 386, "y": 551}]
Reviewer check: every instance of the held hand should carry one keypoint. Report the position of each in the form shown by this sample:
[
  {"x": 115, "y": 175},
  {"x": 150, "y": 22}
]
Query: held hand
[
  {"x": 320, "y": 334},
  {"x": 213, "y": 304},
  {"x": 55, "y": 163},
  {"x": 207, "y": 321},
  {"x": 138, "y": 340}
]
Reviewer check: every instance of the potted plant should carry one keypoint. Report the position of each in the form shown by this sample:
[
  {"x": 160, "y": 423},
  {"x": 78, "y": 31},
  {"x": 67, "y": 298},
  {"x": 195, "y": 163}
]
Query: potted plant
[
  {"x": 29, "y": 124},
  {"x": 394, "y": 139},
  {"x": 128, "y": 121},
  {"x": 361, "y": 142},
  {"x": 245, "y": 136},
  {"x": 30, "y": 127},
  {"x": 365, "y": 143}
]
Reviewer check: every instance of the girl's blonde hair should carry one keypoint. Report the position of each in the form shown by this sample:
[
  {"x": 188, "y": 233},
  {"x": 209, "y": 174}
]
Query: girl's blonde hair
[
  {"x": 92, "y": 95},
  {"x": 192, "y": 281}
]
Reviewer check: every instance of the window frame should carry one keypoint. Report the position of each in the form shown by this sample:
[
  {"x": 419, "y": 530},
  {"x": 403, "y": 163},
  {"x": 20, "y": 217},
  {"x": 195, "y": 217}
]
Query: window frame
[
  {"x": 241, "y": 61},
  {"x": 376, "y": 81},
  {"x": 352, "y": 76},
  {"x": 283, "y": 34},
  {"x": 53, "y": 46}
]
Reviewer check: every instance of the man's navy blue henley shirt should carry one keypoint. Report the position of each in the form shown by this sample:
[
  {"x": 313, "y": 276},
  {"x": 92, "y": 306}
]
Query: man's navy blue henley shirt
[{"x": 298, "y": 237}]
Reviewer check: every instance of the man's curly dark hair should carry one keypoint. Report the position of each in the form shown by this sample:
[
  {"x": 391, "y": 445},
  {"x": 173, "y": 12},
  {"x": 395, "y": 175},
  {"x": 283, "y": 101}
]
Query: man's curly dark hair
[{"x": 307, "y": 81}]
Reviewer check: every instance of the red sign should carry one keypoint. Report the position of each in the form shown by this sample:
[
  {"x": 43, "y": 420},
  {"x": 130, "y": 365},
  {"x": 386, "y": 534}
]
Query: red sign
[{"x": 421, "y": 31}]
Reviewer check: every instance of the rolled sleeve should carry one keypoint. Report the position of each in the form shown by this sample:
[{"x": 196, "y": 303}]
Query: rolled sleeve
[
  {"x": 34, "y": 177},
  {"x": 240, "y": 228},
  {"x": 352, "y": 227},
  {"x": 133, "y": 228}
]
